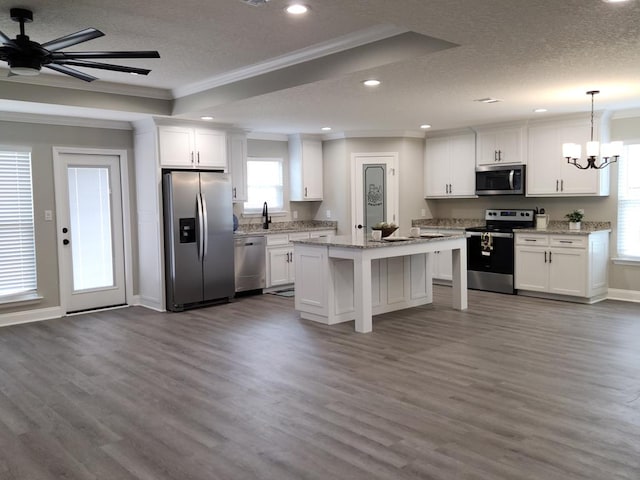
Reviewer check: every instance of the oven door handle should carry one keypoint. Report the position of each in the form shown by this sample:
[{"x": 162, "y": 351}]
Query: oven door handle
[{"x": 493, "y": 234}]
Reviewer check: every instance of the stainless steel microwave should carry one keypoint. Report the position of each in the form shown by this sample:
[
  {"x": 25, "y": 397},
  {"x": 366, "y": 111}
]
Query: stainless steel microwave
[{"x": 500, "y": 180}]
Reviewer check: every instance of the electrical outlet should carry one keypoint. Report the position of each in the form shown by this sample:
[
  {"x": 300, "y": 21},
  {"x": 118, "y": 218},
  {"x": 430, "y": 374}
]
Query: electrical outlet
[
  {"x": 328, "y": 213},
  {"x": 48, "y": 215},
  {"x": 295, "y": 214},
  {"x": 423, "y": 212}
]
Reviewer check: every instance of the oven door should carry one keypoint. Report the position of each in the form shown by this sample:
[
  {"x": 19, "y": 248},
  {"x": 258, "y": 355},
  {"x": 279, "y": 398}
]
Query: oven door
[{"x": 490, "y": 252}]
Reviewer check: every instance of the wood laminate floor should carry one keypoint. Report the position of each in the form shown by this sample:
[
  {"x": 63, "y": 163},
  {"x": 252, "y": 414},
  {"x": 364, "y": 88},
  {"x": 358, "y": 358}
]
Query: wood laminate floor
[{"x": 514, "y": 388}]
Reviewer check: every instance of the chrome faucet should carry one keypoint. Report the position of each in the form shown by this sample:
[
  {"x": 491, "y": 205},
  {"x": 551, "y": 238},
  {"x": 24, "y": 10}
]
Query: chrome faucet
[{"x": 266, "y": 219}]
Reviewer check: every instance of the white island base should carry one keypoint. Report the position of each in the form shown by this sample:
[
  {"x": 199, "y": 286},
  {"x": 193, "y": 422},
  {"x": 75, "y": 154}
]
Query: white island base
[{"x": 338, "y": 280}]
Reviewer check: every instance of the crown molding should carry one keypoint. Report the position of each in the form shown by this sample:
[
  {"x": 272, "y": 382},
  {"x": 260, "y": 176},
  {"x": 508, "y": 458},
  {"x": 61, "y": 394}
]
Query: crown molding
[
  {"x": 274, "y": 137},
  {"x": 323, "y": 49},
  {"x": 375, "y": 134},
  {"x": 97, "y": 86},
  {"x": 631, "y": 113},
  {"x": 64, "y": 121}
]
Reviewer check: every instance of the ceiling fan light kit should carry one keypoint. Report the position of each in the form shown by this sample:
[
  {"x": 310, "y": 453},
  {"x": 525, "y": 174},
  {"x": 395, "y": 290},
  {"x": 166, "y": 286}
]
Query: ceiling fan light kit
[
  {"x": 609, "y": 152},
  {"x": 26, "y": 57}
]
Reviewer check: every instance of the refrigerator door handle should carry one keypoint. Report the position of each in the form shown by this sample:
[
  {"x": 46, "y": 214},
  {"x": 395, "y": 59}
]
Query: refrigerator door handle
[
  {"x": 200, "y": 227},
  {"x": 205, "y": 221}
]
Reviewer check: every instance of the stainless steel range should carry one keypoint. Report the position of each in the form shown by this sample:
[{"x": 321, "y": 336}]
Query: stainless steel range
[{"x": 490, "y": 249}]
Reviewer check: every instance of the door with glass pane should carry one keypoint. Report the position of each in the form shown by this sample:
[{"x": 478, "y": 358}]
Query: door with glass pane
[
  {"x": 375, "y": 192},
  {"x": 90, "y": 233}
]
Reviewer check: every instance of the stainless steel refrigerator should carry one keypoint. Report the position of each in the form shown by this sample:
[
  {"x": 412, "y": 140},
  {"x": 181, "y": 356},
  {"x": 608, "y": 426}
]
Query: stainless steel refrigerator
[{"x": 198, "y": 238}]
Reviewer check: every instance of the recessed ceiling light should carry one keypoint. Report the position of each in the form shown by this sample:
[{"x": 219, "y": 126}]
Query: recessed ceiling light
[
  {"x": 326, "y": 129},
  {"x": 206, "y": 117},
  {"x": 487, "y": 100},
  {"x": 372, "y": 82},
  {"x": 297, "y": 9},
  {"x": 540, "y": 110},
  {"x": 425, "y": 126}
]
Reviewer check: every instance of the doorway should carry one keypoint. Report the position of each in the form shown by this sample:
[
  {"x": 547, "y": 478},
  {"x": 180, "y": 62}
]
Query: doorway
[
  {"x": 91, "y": 190},
  {"x": 374, "y": 188}
]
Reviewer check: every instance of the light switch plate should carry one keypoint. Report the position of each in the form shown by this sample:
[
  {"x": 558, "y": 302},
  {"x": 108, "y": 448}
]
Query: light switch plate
[
  {"x": 328, "y": 213},
  {"x": 48, "y": 215}
]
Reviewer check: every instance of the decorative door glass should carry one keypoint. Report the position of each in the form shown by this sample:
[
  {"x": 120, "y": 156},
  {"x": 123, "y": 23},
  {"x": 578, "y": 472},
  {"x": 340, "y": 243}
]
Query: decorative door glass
[{"x": 374, "y": 187}]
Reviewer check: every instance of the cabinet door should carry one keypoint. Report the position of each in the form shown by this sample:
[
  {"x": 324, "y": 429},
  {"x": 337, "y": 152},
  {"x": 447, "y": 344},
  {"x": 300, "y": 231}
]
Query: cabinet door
[
  {"x": 442, "y": 265},
  {"x": 568, "y": 271},
  {"x": 238, "y": 166},
  {"x": 531, "y": 269},
  {"x": 487, "y": 148},
  {"x": 437, "y": 169},
  {"x": 463, "y": 166},
  {"x": 510, "y": 143},
  {"x": 312, "y": 169},
  {"x": 278, "y": 268},
  {"x": 545, "y": 161},
  {"x": 176, "y": 146},
  {"x": 211, "y": 148}
]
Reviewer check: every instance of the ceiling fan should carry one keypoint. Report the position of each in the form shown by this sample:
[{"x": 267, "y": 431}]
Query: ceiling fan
[{"x": 26, "y": 57}]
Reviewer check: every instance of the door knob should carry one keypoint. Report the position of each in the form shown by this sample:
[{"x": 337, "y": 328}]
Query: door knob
[
  {"x": 65, "y": 242},
  {"x": 65, "y": 229},
  {"x": 359, "y": 227}
]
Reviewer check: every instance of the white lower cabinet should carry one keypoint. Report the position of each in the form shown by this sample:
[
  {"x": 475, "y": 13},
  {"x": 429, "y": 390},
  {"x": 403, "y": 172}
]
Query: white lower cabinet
[
  {"x": 442, "y": 271},
  {"x": 280, "y": 265},
  {"x": 562, "y": 265}
]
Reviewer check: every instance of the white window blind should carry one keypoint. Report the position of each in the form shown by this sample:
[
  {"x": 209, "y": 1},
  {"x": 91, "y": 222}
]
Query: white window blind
[
  {"x": 17, "y": 237},
  {"x": 629, "y": 203},
  {"x": 265, "y": 183}
]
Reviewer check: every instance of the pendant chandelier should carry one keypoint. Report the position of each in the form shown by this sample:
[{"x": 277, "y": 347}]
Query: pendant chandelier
[{"x": 608, "y": 152}]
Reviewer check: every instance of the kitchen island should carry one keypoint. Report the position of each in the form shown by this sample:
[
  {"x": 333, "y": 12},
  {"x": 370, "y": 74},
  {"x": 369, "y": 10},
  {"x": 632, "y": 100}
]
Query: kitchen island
[{"x": 341, "y": 279}]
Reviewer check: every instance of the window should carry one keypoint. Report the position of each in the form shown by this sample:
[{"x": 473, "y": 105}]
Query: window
[
  {"x": 629, "y": 202},
  {"x": 17, "y": 237},
  {"x": 264, "y": 184}
]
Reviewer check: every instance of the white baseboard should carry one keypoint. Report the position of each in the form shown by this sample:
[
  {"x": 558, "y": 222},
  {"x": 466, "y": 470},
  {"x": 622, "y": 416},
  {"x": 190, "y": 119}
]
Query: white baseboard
[
  {"x": 28, "y": 316},
  {"x": 624, "y": 295}
]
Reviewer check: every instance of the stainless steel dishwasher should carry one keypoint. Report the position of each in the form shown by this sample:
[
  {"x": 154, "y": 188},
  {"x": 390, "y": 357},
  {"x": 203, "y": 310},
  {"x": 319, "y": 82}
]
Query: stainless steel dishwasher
[{"x": 249, "y": 263}]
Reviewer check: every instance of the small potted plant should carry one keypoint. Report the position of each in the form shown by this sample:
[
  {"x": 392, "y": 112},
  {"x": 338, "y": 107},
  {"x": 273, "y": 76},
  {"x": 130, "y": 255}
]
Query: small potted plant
[{"x": 575, "y": 217}]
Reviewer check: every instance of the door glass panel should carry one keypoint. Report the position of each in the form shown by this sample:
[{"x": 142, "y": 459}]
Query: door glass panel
[
  {"x": 374, "y": 188},
  {"x": 90, "y": 224}
]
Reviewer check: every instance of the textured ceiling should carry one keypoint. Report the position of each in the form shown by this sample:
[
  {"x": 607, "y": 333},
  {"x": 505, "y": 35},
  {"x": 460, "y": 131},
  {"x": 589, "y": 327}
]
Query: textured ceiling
[{"x": 530, "y": 54}]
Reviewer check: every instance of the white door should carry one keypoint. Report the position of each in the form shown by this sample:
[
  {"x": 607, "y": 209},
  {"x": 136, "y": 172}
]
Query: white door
[
  {"x": 90, "y": 230},
  {"x": 374, "y": 190}
]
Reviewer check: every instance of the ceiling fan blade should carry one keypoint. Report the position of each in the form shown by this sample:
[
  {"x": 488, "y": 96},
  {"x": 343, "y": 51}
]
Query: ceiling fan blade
[
  {"x": 103, "y": 66},
  {"x": 4, "y": 38},
  {"x": 72, "y": 39},
  {"x": 71, "y": 71},
  {"x": 93, "y": 55}
]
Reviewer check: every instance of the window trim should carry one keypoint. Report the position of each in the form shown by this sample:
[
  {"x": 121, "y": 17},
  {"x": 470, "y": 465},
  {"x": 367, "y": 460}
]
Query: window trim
[
  {"x": 248, "y": 212},
  {"x": 623, "y": 258},
  {"x": 29, "y": 295}
]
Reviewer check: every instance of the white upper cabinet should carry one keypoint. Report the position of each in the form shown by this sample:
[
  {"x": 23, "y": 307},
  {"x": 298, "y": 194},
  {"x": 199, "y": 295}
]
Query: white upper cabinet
[
  {"x": 305, "y": 169},
  {"x": 501, "y": 146},
  {"x": 192, "y": 147},
  {"x": 237, "y": 147},
  {"x": 449, "y": 166},
  {"x": 549, "y": 174}
]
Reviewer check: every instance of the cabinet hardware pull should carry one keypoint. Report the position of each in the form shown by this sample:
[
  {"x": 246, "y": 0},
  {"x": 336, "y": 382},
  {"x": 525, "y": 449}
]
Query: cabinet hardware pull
[
  {"x": 305, "y": 191},
  {"x": 562, "y": 185},
  {"x": 198, "y": 158},
  {"x": 450, "y": 188},
  {"x": 495, "y": 155},
  {"x": 549, "y": 257},
  {"x": 566, "y": 241},
  {"x": 191, "y": 157},
  {"x": 234, "y": 193},
  {"x": 557, "y": 183},
  {"x": 530, "y": 240},
  {"x": 446, "y": 188},
  {"x": 545, "y": 257},
  {"x": 499, "y": 155}
]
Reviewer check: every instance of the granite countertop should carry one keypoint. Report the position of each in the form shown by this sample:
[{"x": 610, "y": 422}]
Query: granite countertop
[
  {"x": 557, "y": 226},
  {"x": 349, "y": 242},
  {"x": 448, "y": 223},
  {"x": 285, "y": 227}
]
